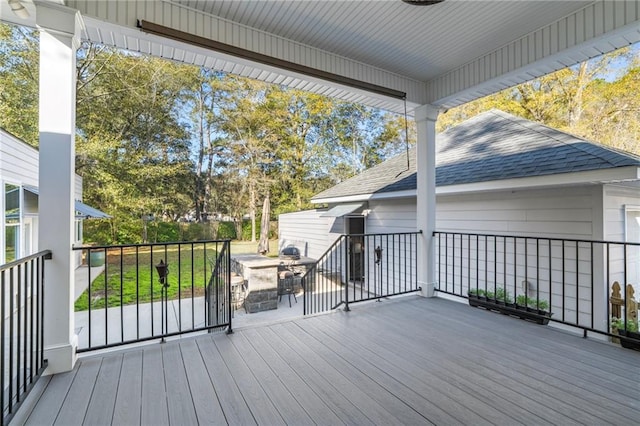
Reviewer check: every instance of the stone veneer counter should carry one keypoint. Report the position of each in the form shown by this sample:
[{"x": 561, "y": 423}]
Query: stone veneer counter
[{"x": 261, "y": 274}]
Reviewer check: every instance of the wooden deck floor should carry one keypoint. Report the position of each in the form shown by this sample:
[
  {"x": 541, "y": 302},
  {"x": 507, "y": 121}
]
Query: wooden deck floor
[{"x": 407, "y": 361}]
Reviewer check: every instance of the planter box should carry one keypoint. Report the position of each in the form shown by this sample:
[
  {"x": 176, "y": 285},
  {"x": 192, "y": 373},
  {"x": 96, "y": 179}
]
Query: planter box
[
  {"x": 628, "y": 343},
  {"x": 522, "y": 312}
]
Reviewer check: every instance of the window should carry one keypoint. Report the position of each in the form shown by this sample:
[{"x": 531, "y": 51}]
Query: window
[
  {"x": 632, "y": 223},
  {"x": 632, "y": 235},
  {"x": 12, "y": 219}
]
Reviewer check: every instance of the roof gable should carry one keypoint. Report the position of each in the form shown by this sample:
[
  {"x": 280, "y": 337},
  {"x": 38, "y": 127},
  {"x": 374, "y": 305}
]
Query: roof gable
[{"x": 492, "y": 146}]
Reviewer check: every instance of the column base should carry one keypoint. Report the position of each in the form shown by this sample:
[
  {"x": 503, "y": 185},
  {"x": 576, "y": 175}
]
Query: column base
[
  {"x": 428, "y": 290},
  {"x": 61, "y": 358}
]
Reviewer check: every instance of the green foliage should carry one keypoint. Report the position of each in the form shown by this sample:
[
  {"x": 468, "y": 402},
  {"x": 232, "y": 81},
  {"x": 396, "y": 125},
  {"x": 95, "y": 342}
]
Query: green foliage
[
  {"x": 226, "y": 230},
  {"x": 531, "y": 302},
  {"x": 136, "y": 269},
  {"x": 19, "y": 57},
  {"x": 618, "y": 324},
  {"x": 503, "y": 296}
]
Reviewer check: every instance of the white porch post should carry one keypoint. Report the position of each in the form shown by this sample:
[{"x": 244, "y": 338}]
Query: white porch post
[
  {"x": 59, "y": 29},
  {"x": 426, "y": 116}
]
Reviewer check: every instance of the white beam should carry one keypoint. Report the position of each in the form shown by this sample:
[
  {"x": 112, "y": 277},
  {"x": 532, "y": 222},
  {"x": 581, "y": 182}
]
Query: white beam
[
  {"x": 59, "y": 38},
  {"x": 426, "y": 116}
]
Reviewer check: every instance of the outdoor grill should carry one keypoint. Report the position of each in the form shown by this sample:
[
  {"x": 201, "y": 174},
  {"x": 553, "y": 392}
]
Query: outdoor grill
[{"x": 290, "y": 253}]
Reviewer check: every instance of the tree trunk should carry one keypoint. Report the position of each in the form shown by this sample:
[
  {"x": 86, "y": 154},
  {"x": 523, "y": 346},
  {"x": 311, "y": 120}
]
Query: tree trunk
[
  {"x": 252, "y": 209},
  {"x": 263, "y": 245},
  {"x": 238, "y": 224},
  {"x": 575, "y": 104}
]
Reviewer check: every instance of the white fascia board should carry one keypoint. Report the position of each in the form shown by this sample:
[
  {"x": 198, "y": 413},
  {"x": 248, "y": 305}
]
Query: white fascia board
[
  {"x": 619, "y": 174},
  {"x": 346, "y": 199},
  {"x": 616, "y": 175},
  {"x": 366, "y": 197}
]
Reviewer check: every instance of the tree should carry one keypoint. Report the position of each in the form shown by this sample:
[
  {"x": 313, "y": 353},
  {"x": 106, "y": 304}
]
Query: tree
[
  {"x": 595, "y": 100},
  {"x": 131, "y": 149},
  {"x": 19, "y": 58},
  {"x": 251, "y": 147}
]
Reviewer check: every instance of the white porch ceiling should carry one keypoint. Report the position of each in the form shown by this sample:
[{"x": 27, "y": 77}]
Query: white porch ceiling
[
  {"x": 445, "y": 54},
  {"x": 417, "y": 42}
]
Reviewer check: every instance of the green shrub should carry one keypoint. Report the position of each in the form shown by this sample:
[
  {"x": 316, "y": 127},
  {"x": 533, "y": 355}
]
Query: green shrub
[
  {"x": 531, "y": 302},
  {"x": 618, "y": 324},
  {"x": 503, "y": 296},
  {"x": 476, "y": 292},
  {"x": 226, "y": 230}
]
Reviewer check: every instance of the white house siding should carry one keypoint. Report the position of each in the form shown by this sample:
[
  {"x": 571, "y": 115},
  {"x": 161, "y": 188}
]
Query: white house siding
[
  {"x": 616, "y": 198},
  {"x": 588, "y": 212},
  {"x": 311, "y": 233},
  {"x": 565, "y": 213},
  {"x": 398, "y": 268},
  {"x": 18, "y": 161}
]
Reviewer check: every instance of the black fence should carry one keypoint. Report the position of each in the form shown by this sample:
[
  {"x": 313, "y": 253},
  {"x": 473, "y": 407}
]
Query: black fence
[
  {"x": 361, "y": 267},
  {"x": 580, "y": 283},
  {"x": 134, "y": 293},
  {"x": 22, "y": 337}
]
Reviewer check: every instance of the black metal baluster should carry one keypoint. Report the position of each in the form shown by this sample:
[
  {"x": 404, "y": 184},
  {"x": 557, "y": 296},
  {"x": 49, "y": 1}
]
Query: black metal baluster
[{"x": 121, "y": 295}]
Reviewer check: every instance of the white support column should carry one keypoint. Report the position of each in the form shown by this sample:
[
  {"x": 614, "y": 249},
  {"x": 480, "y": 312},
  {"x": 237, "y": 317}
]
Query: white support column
[
  {"x": 59, "y": 30},
  {"x": 426, "y": 116}
]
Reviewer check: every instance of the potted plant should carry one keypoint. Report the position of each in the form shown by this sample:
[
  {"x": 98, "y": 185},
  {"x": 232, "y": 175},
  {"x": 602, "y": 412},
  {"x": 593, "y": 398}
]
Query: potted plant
[
  {"x": 526, "y": 308},
  {"x": 629, "y": 335}
]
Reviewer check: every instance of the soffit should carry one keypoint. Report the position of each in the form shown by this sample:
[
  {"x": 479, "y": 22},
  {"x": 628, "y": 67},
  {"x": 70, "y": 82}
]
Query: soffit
[{"x": 418, "y": 42}]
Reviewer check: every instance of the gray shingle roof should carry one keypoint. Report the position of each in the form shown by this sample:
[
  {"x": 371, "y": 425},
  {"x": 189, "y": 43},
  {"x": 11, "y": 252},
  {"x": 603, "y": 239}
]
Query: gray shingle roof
[{"x": 491, "y": 146}]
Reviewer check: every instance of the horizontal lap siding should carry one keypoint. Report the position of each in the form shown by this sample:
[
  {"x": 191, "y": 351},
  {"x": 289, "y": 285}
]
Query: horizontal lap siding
[
  {"x": 18, "y": 161},
  {"x": 391, "y": 216},
  {"x": 552, "y": 213},
  {"x": 398, "y": 269},
  {"x": 308, "y": 231},
  {"x": 562, "y": 213}
]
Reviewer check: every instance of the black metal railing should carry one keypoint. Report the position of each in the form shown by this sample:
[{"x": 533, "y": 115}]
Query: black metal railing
[
  {"x": 22, "y": 337},
  {"x": 572, "y": 280},
  {"x": 360, "y": 267},
  {"x": 126, "y": 299}
]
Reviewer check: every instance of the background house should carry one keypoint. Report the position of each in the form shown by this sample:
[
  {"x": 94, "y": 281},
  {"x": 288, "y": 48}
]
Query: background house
[
  {"x": 496, "y": 174},
  {"x": 19, "y": 205}
]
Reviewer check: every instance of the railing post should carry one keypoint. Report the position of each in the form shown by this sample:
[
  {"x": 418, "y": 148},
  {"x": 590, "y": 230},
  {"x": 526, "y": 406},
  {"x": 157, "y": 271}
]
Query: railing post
[
  {"x": 227, "y": 273},
  {"x": 347, "y": 274}
]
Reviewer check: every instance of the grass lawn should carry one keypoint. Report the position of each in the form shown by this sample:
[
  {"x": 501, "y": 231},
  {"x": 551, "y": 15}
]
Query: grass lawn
[{"x": 130, "y": 275}]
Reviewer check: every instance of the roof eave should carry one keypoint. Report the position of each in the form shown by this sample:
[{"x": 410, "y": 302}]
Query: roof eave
[{"x": 613, "y": 175}]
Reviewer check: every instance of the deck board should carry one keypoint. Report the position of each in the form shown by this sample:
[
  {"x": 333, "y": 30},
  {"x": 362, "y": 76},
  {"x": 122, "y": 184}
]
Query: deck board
[
  {"x": 103, "y": 398},
  {"x": 235, "y": 408},
  {"x": 180, "y": 402},
  {"x": 50, "y": 401},
  {"x": 321, "y": 398},
  {"x": 404, "y": 361},
  {"x": 205, "y": 400},
  {"x": 313, "y": 404},
  {"x": 254, "y": 395},
  {"x": 155, "y": 410},
  {"x": 76, "y": 403},
  {"x": 282, "y": 397},
  {"x": 129, "y": 397}
]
